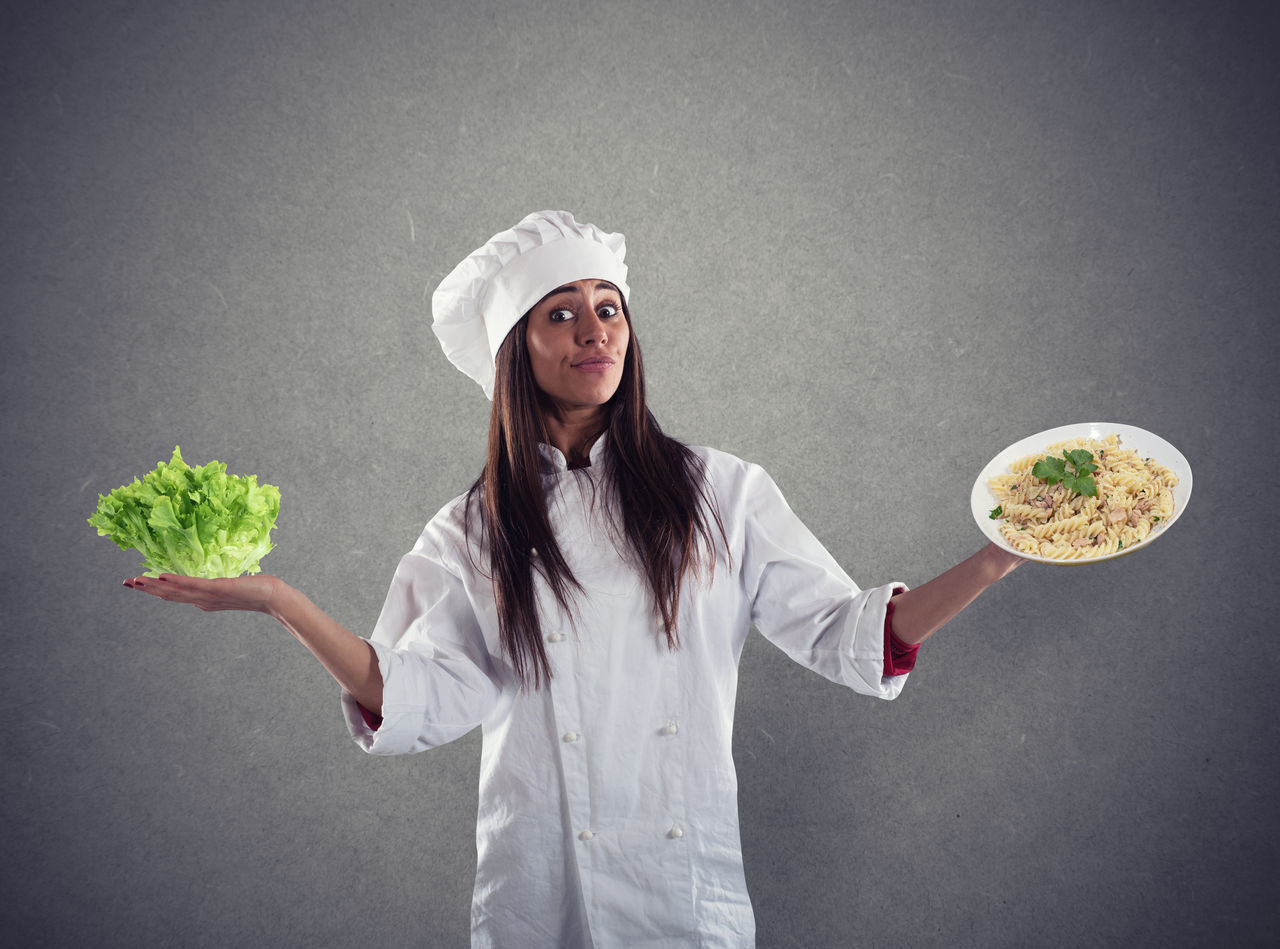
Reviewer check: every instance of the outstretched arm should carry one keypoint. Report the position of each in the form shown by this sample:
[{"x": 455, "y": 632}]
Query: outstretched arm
[
  {"x": 349, "y": 659},
  {"x": 921, "y": 612}
]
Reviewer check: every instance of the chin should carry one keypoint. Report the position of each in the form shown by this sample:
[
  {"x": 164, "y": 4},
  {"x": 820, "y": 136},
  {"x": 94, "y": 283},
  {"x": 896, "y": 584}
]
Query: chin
[{"x": 594, "y": 395}]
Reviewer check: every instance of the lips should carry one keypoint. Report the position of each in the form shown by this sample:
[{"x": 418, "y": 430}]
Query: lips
[{"x": 594, "y": 364}]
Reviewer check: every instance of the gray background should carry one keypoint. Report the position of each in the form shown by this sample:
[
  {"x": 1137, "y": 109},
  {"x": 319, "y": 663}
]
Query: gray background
[{"x": 872, "y": 243}]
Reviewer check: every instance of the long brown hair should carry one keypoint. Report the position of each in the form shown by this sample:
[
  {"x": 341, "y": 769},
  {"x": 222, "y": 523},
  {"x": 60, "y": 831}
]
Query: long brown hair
[{"x": 659, "y": 496}]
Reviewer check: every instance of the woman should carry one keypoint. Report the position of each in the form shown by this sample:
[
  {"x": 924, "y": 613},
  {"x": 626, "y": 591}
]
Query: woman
[{"x": 586, "y": 604}]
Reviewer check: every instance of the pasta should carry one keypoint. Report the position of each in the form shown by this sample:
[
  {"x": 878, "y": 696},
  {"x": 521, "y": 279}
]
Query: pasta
[{"x": 1134, "y": 497}]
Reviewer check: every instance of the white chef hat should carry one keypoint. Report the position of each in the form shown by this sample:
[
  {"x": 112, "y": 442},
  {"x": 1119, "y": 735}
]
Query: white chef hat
[{"x": 485, "y": 295}]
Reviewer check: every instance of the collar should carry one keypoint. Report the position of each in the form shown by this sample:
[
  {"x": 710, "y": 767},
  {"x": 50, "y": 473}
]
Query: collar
[{"x": 554, "y": 461}]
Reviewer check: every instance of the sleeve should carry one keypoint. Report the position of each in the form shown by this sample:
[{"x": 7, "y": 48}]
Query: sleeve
[
  {"x": 899, "y": 657},
  {"x": 805, "y": 604},
  {"x": 438, "y": 678}
]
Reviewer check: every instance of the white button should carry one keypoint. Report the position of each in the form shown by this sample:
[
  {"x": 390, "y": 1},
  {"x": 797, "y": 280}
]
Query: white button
[
  {"x": 671, "y": 729},
  {"x": 571, "y": 736},
  {"x": 675, "y": 833},
  {"x": 555, "y": 637},
  {"x": 586, "y": 835}
]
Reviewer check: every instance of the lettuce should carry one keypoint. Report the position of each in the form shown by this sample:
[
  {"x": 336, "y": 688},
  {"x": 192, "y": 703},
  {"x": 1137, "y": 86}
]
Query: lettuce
[{"x": 198, "y": 522}]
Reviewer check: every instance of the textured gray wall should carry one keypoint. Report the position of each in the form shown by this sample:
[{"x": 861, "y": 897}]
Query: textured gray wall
[{"x": 872, "y": 243}]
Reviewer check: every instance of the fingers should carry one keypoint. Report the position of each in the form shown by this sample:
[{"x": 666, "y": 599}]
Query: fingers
[
  {"x": 166, "y": 586},
  {"x": 156, "y": 586}
]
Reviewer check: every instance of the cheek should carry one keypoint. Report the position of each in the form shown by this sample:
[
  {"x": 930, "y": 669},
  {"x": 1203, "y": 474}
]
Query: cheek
[{"x": 543, "y": 357}]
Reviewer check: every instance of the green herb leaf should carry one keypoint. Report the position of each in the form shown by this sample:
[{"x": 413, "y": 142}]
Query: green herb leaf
[
  {"x": 1081, "y": 485},
  {"x": 1050, "y": 469},
  {"x": 996, "y": 512},
  {"x": 1072, "y": 471}
]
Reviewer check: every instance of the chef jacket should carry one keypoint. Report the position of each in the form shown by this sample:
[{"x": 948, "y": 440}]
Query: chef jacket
[{"x": 608, "y": 813}]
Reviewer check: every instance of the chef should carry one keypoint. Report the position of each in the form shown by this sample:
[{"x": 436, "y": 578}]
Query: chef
[{"x": 585, "y": 605}]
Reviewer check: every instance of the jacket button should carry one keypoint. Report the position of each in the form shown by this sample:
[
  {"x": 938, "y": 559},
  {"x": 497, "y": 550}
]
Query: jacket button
[
  {"x": 675, "y": 833},
  {"x": 671, "y": 728},
  {"x": 586, "y": 835},
  {"x": 555, "y": 637},
  {"x": 571, "y": 736}
]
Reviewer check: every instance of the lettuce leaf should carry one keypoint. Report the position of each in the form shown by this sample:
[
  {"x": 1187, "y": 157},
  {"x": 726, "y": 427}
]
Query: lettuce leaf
[{"x": 198, "y": 522}]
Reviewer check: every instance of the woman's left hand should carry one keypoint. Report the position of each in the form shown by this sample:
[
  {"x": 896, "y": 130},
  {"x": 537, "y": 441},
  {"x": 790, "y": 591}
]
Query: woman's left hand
[
  {"x": 1005, "y": 560},
  {"x": 919, "y": 613}
]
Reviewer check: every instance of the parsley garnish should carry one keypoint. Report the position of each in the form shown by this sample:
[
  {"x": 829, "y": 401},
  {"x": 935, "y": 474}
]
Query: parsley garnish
[
  {"x": 1074, "y": 471},
  {"x": 997, "y": 512}
]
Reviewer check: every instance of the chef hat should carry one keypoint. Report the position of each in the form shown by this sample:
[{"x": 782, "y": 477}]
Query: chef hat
[{"x": 487, "y": 294}]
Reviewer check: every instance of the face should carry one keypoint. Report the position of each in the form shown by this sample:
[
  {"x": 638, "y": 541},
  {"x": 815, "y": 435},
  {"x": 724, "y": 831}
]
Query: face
[{"x": 577, "y": 337}]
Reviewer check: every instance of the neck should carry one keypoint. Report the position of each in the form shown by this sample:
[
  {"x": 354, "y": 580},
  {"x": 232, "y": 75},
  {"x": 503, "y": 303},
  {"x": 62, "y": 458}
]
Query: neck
[{"x": 574, "y": 431}]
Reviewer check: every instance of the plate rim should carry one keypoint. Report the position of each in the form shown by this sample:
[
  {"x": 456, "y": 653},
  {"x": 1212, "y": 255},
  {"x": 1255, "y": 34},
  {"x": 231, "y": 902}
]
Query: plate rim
[{"x": 981, "y": 500}]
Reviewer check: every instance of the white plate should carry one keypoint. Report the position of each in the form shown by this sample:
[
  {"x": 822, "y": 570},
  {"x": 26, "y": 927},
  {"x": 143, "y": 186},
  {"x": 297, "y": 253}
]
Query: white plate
[{"x": 982, "y": 500}]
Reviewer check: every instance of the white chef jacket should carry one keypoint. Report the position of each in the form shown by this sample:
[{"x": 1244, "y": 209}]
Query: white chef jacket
[{"x": 608, "y": 812}]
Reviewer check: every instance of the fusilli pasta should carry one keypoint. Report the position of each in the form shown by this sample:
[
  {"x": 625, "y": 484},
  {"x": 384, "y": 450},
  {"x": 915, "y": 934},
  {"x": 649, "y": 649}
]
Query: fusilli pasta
[{"x": 1134, "y": 497}]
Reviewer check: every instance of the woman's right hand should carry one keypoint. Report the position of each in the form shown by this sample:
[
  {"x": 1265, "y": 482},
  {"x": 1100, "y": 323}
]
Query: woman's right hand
[
  {"x": 349, "y": 659},
  {"x": 256, "y": 593}
]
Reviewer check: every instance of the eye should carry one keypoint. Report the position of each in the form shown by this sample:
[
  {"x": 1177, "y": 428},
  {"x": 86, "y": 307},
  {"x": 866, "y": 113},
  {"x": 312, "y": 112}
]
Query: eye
[
  {"x": 560, "y": 316},
  {"x": 607, "y": 311}
]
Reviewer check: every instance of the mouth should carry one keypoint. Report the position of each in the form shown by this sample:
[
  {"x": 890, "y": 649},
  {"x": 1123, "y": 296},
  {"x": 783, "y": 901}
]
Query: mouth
[{"x": 594, "y": 364}]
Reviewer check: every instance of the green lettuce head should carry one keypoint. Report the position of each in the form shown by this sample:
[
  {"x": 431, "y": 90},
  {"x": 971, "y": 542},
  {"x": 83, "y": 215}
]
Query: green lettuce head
[{"x": 198, "y": 522}]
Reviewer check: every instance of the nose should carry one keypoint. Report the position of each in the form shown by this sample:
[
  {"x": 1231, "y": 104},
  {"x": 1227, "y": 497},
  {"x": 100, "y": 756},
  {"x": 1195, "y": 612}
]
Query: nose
[{"x": 591, "y": 330}]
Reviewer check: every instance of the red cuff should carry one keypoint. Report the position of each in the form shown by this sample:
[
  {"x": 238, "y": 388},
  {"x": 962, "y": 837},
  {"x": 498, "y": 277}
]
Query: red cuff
[
  {"x": 373, "y": 721},
  {"x": 899, "y": 657}
]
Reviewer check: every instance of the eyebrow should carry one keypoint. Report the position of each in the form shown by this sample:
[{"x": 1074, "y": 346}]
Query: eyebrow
[{"x": 568, "y": 288}]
